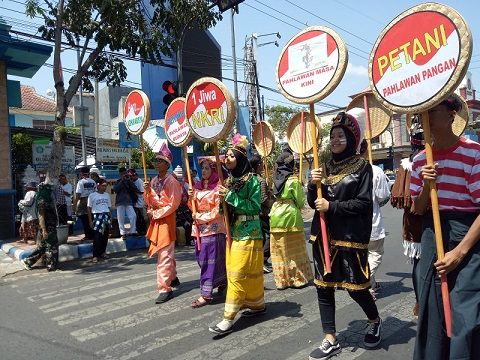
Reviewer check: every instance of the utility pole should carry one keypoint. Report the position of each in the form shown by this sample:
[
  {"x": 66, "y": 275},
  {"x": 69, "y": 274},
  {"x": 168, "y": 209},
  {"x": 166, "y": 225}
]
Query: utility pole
[
  {"x": 234, "y": 55},
  {"x": 82, "y": 122}
]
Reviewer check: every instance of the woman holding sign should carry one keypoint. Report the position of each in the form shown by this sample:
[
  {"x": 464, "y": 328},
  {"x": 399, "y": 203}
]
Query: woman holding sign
[
  {"x": 347, "y": 204},
  {"x": 245, "y": 257},
  {"x": 457, "y": 176},
  {"x": 211, "y": 230},
  {"x": 290, "y": 262}
]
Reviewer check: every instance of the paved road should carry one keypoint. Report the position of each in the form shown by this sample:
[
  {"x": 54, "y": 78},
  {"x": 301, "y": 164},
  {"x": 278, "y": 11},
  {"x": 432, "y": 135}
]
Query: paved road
[{"x": 107, "y": 311}]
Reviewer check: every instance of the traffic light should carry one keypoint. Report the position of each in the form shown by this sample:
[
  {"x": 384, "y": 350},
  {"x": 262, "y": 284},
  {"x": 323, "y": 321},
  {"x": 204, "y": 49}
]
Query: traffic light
[
  {"x": 171, "y": 92},
  {"x": 390, "y": 152}
]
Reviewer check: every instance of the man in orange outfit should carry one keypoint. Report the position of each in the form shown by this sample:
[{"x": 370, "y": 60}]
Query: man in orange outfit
[{"x": 162, "y": 197}]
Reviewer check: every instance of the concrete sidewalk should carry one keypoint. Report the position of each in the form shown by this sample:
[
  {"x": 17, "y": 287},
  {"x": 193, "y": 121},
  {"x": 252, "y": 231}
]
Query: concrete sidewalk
[{"x": 75, "y": 248}]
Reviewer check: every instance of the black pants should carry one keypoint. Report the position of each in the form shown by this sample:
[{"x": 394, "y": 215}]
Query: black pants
[
  {"x": 86, "y": 226},
  {"x": 141, "y": 223},
  {"x": 62, "y": 214},
  {"x": 100, "y": 242},
  {"x": 326, "y": 304},
  {"x": 265, "y": 224}
]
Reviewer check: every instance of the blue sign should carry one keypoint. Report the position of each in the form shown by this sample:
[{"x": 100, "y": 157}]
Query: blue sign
[{"x": 125, "y": 139}]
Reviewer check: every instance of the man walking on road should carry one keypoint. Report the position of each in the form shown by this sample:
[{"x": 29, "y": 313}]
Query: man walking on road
[{"x": 380, "y": 196}]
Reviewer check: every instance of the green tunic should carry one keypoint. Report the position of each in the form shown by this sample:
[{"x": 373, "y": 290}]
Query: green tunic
[
  {"x": 285, "y": 215},
  {"x": 246, "y": 209}
]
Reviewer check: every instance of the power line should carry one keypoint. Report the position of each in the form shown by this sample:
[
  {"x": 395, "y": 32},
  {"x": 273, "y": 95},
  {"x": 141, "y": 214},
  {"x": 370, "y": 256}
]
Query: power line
[{"x": 329, "y": 22}]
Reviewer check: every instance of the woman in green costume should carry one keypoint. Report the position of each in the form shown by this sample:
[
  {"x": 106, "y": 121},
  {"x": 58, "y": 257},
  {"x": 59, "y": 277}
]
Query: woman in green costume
[{"x": 290, "y": 262}]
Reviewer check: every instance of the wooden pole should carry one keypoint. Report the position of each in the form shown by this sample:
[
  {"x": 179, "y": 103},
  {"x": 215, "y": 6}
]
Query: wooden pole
[
  {"x": 437, "y": 225},
  {"x": 144, "y": 162},
  {"x": 224, "y": 204},
  {"x": 368, "y": 126},
  {"x": 265, "y": 165},
  {"x": 316, "y": 165},
  {"x": 302, "y": 146},
  {"x": 190, "y": 184}
]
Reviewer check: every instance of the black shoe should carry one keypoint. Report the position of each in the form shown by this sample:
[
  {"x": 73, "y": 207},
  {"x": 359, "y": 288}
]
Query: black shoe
[
  {"x": 373, "y": 335},
  {"x": 216, "y": 330},
  {"x": 326, "y": 350},
  {"x": 175, "y": 282},
  {"x": 252, "y": 313},
  {"x": 164, "y": 297}
]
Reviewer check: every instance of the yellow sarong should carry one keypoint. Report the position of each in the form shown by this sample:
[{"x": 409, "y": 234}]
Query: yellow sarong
[{"x": 245, "y": 277}]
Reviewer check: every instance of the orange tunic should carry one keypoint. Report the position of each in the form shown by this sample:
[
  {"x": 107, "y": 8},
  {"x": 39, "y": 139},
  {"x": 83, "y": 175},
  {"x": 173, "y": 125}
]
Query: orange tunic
[{"x": 163, "y": 198}]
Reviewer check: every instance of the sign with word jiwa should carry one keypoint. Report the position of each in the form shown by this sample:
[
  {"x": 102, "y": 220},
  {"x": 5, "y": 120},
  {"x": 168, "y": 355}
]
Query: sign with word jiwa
[
  {"x": 176, "y": 125},
  {"x": 41, "y": 155},
  {"x": 136, "y": 112},
  {"x": 109, "y": 151},
  {"x": 209, "y": 109},
  {"x": 420, "y": 57},
  {"x": 311, "y": 65}
]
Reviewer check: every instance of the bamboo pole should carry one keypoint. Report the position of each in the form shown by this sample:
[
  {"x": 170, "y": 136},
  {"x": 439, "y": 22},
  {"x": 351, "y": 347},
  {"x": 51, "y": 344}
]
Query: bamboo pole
[
  {"x": 190, "y": 184},
  {"x": 316, "y": 165},
  {"x": 437, "y": 225},
  {"x": 368, "y": 126},
  {"x": 144, "y": 162},
  {"x": 302, "y": 146},
  {"x": 224, "y": 204},
  {"x": 265, "y": 165}
]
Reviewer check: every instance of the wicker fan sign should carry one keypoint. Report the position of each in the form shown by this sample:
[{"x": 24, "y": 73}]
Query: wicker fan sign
[
  {"x": 179, "y": 134},
  {"x": 377, "y": 117},
  {"x": 264, "y": 142},
  {"x": 310, "y": 67},
  {"x": 417, "y": 61},
  {"x": 136, "y": 115},
  {"x": 210, "y": 112}
]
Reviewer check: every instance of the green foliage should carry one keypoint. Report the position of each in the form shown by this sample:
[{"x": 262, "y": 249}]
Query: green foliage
[
  {"x": 22, "y": 149},
  {"x": 149, "y": 157},
  {"x": 279, "y": 116},
  {"x": 120, "y": 26}
]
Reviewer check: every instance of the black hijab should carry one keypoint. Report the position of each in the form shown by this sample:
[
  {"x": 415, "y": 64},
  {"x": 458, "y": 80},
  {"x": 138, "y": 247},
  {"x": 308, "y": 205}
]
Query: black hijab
[
  {"x": 243, "y": 165},
  {"x": 285, "y": 166}
]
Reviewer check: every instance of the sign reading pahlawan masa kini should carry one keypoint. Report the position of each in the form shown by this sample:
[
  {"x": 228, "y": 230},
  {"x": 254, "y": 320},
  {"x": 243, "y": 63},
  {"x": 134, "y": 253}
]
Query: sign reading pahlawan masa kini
[
  {"x": 209, "y": 109},
  {"x": 421, "y": 56},
  {"x": 311, "y": 65},
  {"x": 176, "y": 125},
  {"x": 136, "y": 112}
]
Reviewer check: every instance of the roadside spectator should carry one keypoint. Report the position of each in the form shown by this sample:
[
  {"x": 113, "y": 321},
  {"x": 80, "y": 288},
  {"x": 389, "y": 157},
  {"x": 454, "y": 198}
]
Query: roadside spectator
[
  {"x": 126, "y": 197},
  {"x": 85, "y": 186},
  {"x": 94, "y": 174},
  {"x": 67, "y": 192},
  {"x": 61, "y": 204},
  {"x": 100, "y": 218},
  {"x": 28, "y": 208},
  {"x": 140, "y": 204}
]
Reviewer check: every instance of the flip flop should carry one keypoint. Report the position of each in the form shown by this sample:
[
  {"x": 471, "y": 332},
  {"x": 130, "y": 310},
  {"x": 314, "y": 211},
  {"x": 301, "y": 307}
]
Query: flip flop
[{"x": 198, "y": 304}]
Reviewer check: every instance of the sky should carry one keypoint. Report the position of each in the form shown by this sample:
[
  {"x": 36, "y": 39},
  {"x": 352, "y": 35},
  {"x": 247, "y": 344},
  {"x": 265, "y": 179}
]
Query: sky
[{"x": 358, "y": 24}]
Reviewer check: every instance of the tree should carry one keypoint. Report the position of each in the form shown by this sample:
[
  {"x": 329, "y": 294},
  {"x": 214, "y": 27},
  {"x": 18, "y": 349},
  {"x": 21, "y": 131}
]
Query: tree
[
  {"x": 279, "y": 116},
  {"x": 111, "y": 31},
  {"x": 22, "y": 149},
  {"x": 149, "y": 157}
]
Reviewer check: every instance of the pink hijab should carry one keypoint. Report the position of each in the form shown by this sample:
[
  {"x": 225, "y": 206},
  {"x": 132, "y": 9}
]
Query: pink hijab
[{"x": 213, "y": 180}]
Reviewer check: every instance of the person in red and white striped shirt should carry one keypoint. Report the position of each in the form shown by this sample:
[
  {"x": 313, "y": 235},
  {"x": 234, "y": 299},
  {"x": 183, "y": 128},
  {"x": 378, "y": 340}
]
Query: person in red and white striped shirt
[{"x": 456, "y": 173}]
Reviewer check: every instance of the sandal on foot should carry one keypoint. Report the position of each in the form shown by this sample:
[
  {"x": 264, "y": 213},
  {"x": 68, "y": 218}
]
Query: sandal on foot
[{"x": 197, "y": 303}]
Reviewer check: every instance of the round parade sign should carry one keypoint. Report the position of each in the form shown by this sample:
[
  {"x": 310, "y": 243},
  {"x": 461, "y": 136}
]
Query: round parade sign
[
  {"x": 299, "y": 137},
  {"x": 311, "y": 65},
  {"x": 420, "y": 57},
  {"x": 176, "y": 126},
  {"x": 263, "y": 138},
  {"x": 136, "y": 112},
  {"x": 209, "y": 109}
]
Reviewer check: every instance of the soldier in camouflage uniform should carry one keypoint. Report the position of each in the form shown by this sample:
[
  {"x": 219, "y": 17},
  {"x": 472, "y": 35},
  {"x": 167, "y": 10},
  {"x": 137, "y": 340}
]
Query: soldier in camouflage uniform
[{"x": 48, "y": 221}]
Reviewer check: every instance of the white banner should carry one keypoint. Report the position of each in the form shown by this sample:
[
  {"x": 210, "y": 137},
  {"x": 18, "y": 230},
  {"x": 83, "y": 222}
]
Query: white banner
[
  {"x": 41, "y": 155},
  {"x": 109, "y": 151}
]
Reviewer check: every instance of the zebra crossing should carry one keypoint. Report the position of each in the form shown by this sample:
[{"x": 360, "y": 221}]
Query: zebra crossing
[{"x": 107, "y": 311}]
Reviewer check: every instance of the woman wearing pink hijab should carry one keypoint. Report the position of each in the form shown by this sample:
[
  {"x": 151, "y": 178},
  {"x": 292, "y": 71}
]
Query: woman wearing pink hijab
[{"x": 210, "y": 227}]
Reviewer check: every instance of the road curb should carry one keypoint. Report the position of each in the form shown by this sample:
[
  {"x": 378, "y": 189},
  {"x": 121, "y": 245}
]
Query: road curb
[{"x": 67, "y": 252}]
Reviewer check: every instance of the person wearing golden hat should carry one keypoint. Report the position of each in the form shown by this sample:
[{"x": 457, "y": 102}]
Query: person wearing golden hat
[
  {"x": 245, "y": 257},
  {"x": 162, "y": 196},
  {"x": 348, "y": 207}
]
